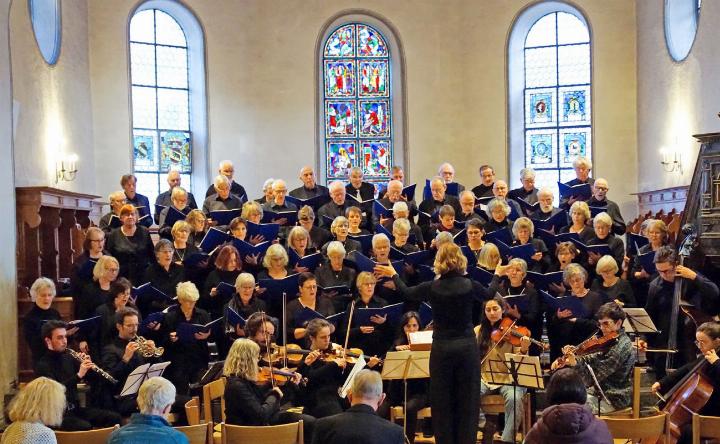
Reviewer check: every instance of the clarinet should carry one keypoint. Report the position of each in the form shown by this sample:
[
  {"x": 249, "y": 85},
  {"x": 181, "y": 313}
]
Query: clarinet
[{"x": 100, "y": 371}]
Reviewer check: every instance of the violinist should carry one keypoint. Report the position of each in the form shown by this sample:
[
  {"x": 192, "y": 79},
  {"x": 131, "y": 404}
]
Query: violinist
[
  {"x": 492, "y": 354},
  {"x": 260, "y": 328},
  {"x": 246, "y": 402},
  {"x": 707, "y": 339},
  {"x": 612, "y": 366}
]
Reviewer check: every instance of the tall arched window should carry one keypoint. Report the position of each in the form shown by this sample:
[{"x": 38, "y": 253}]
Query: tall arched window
[
  {"x": 358, "y": 110},
  {"x": 167, "y": 95},
  {"x": 550, "y": 92}
]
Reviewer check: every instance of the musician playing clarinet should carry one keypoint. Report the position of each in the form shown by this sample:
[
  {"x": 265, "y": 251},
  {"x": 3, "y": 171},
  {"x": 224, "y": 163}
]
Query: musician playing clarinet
[
  {"x": 610, "y": 367},
  {"x": 707, "y": 339}
]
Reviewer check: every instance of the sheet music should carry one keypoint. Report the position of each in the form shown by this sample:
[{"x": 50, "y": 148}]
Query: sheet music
[
  {"x": 140, "y": 374},
  {"x": 359, "y": 365}
]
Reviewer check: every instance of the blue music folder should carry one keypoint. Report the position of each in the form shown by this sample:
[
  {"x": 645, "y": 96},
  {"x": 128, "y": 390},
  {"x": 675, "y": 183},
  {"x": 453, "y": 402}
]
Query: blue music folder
[
  {"x": 426, "y": 314},
  {"x": 582, "y": 191},
  {"x": 553, "y": 223},
  {"x": 409, "y": 192},
  {"x": 224, "y": 217},
  {"x": 480, "y": 275},
  {"x": 572, "y": 303},
  {"x": 268, "y": 231},
  {"x": 275, "y": 288},
  {"x": 381, "y": 211},
  {"x": 393, "y": 312},
  {"x": 634, "y": 242},
  {"x": 213, "y": 238},
  {"x": 314, "y": 202},
  {"x": 186, "y": 331},
  {"x": 225, "y": 290},
  {"x": 234, "y": 319},
  {"x": 521, "y": 301},
  {"x": 310, "y": 261},
  {"x": 87, "y": 326},
  {"x": 247, "y": 249},
  {"x": 543, "y": 281},
  {"x": 647, "y": 261},
  {"x": 305, "y": 315},
  {"x": 148, "y": 292},
  {"x": 503, "y": 235}
]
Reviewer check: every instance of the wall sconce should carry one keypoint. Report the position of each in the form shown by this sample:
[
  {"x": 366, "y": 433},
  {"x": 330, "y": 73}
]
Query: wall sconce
[
  {"x": 671, "y": 161},
  {"x": 66, "y": 168}
]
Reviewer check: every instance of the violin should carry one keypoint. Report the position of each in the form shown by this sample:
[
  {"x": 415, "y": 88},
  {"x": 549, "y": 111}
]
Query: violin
[
  {"x": 292, "y": 352},
  {"x": 507, "y": 331},
  {"x": 351, "y": 355},
  {"x": 593, "y": 344},
  {"x": 278, "y": 377}
]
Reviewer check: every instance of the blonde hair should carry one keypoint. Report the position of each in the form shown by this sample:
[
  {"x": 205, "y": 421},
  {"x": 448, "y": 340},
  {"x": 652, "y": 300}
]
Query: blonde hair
[
  {"x": 364, "y": 277},
  {"x": 523, "y": 222},
  {"x": 582, "y": 161},
  {"x": 41, "y": 400},
  {"x": 607, "y": 263},
  {"x": 489, "y": 256},
  {"x": 187, "y": 291},
  {"x": 244, "y": 278},
  {"x": 450, "y": 258},
  {"x": 573, "y": 270},
  {"x": 401, "y": 225},
  {"x": 251, "y": 207},
  {"x": 296, "y": 233},
  {"x": 242, "y": 359},
  {"x": 338, "y": 221},
  {"x": 180, "y": 225},
  {"x": 274, "y": 252},
  {"x": 195, "y": 216},
  {"x": 39, "y": 285},
  {"x": 657, "y": 224},
  {"x": 102, "y": 264},
  {"x": 582, "y": 208},
  {"x": 602, "y": 218}
]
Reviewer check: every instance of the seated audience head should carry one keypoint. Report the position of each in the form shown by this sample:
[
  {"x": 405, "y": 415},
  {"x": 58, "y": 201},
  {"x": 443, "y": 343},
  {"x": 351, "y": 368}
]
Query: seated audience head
[
  {"x": 447, "y": 172},
  {"x": 600, "y": 189},
  {"x": 575, "y": 276},
  {"x": 367, "y": 389},
  {"x": 228, "y": 259},
  {"x": 275, "y": 257},
  {"x": 106, "y": 269},
  {"x": 400, "y": 210},
  {"x": 356, "y": 177},
  {"x": 602, "y": 224},
  {"x": 580, "y": 213},
  {"x": 252, "y": 211},
  {"x": 500, "y": 189},
  {"x": 666, "y": 259},
  {"x": 397, "y": 173},
  {"x": 307, "y": 177},
  {"x": 128, "y": 183},
  {"x": 339, "y": 227},
  {"x": 156, "y": 396},
  {"x": 607, "y": 267},
  {"x": 180, "y": 231},
  {"x": 267, "y": 190},
  {"x": 545, "y": 197},
  {"x": 467, "y": 201},
  {"x": 197, "y": 220},
  {"x": 446, "y": 214},
  {"x": 222, "y": 186},
  {"x": 41, "y": 400},
  {"x": 449, "y": 259},
  {"x": 566, "y": 387},
  {"x": 336, "y": 254},
  {"x": 582, "y": 166},
  {"x": 489, "y": 256},
  {"x": 227, "y": 169},
  {"x": 117, "y": 200},
  {"x": 187, "y": 294},
  {"x": 280, "y": 190},
  {"x": 54, "y": 333},
  {"x": 174, "y": 179},
  {"x": 179, "y": 197},
  {"x": 527, "y": 179},
  {"x": 242, "y": 360},
  {"x": 487, "y": 175},
  {"x": 381, "y": 247},
  {"x": 337, "y": 192},
  {"x": 298, "y": 239},
  {"x": 394, "y": 191},
  {"x": 523, "y": 229},
  {"x": 498, "y": 209},
  {"x": 42, "y": 292},
  {"x": 245, "y": 286},
  {"x": 566, "y": 252},
  {"x": 438, "y": 188},
  {"x": 164, "y": 252},
  {"x": 127, "y": 323},
  {"x": 657, "y": 232}
]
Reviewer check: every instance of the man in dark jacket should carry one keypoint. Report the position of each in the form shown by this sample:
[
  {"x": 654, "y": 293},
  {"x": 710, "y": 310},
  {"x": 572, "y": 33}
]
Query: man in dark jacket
[{"x": 359, "y": 424}]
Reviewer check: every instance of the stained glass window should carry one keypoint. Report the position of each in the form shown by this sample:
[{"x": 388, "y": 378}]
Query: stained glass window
[
  {"x": 160, "y": 100},
  {"x": 357, "y": 114},
  {"x": 557, "y": 97}
]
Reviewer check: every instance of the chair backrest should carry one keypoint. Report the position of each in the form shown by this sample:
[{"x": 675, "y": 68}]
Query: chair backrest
[
  {"x": 705, "y": 427},
  {"x": 192, "y": 411},
  {"x": 211, "y": 391},
  {"x": 638, "y": 428},
  {"x": 637, "y": 379},
  {"x": 279, "y": 434},
  {"x": 97, "y": 436},
  {"x": 198, "y": 434}
]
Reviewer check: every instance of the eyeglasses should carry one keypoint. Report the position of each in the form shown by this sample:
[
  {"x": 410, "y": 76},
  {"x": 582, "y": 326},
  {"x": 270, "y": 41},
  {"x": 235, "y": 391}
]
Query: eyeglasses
[
  {"x": 606, "y": 323},
  {"x": 97, "y": 240},
  {"x": 112, "y": 270}
]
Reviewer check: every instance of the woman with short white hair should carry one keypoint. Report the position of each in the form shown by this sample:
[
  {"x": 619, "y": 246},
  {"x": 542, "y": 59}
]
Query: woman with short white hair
[
  {"x": 582, "y": 167},
  {"x": 38, "y": 406},
  {"x": 42, "y": 293},
  {"x": 497, "y": 211},
  {"x": 336, "y": 280},
  {"x": 523, "y": 231},
  {"x": 611, "y": 285},
  {"x": 602, "y": 224},
  {"x": 340, "y": 229}
]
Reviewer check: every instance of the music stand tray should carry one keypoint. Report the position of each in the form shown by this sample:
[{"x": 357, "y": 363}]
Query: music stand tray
[
  {"x": 139, "y": 375},
  {"x": 525, "y": 371},
  {"x": 638, "y": 321}
]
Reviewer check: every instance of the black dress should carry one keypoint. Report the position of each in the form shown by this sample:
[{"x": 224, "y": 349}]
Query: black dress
[
  {"x": 214, "y": 304},
  {"x": 621, "y": 290},
  {"x": 32, "y": 324},
  {"x": 134, "y": 253},
  {"x": 189, "y": 358},
  {"x": 327, "y": 277},
  {"x": 322, "y": 305},
  {"x": 372, "y": 344}
]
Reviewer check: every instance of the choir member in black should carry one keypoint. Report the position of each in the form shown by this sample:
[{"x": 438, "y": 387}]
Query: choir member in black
[
  {"x": 429, "y": 206},
  {"x": 707, "y": 340},
  {"x": 141, "y": 203},
  {"x": 611, "y": 285},
  {"x": 198, "y": 227},
  {"x": 267, "y": 192},
  {"x": 308, "y": 298},
  {"x": 250, "y": 403},
  {"x": 82, "y": 270},
  {"x": 355, "y": 219},
  {"x": 276, "y": 266},
  {"x": 339, "y": 229},
  {"x": 222, "y": 199},
  {"x": 475, "y": 231},
  {"x": 467, "y": 207},
  {"x": 336, "y": 206},
  {"x": 279, "y": 204},
  {"x": 318, "y": 236},
  {"x": 393, "y": 195},
  {"x": 527, "y": 191},
  {"x": 117, "y": 200},
  {"x": 179, "y": 201},
  {"x": 385, "y": 288},
  {"x": 325, "y": 375},
  {"x": 118, "y": 298},
  {"x": 698, "y": 290},
  {"x": 310, "y": 188},
  {"x": 599, "y": 200},
  {"x": 447, "y": 172},
  {"x": 373, "y": 338},
  {"x": 454, "y": 360},
  {"x": 181, "y": 232},
  {"x": 227, "y": 269},
  {"x": 579, "y": 216},
  {"x": 244, "y": 302},
  {"x": 227, "y": 169},
  {"x": 298, "y": 241},
  {"x": 334, "y": 273},
  {"x": 401, "y": 234},
  {"x": 360, "y": 191},
  {"x": 417, "y": 389},
  {"x": 489, "y": 257},
  {"x": 446, "y": 222},
  {"x": 487, "y": 178},
  {"x": 131, "y": 245},
  {"x": 566, "y": 253},
  {"x": 500, "y": 191},
  {"x": 400, "y": 211},
  {"x": 492, "y": 357},
  {"x": 42, "y": 293},
  {"x": 59, "y": 365},
  {"x": 582, "y": 167},
  {"x": 174, "y": 179},
  {"x": 96, "y": 293},
  {"x": 523, "y": 230},
  {"x": 657, "y": 233},
  {"x": 545, "y": 209},
  {"x": 515, "y": 285},
  {"x": 238, "y": 230},
  {"x": 498, "y": 211},
  {"x": 602, "y": 223},
  {"x": 189, "y": 356},
  {"x": 163, "y": 274},
  {"x": 565, "y": 327}
]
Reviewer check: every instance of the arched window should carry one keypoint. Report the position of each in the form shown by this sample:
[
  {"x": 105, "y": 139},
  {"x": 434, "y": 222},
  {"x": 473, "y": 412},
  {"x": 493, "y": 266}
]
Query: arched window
[
  {"x": 168, "y": 95},
  {"x": 550, "y": 92},
  {"x": 359, "y": 107}
]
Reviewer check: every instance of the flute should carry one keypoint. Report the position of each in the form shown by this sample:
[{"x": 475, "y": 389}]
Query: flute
[{"x": 100, "y": 371}]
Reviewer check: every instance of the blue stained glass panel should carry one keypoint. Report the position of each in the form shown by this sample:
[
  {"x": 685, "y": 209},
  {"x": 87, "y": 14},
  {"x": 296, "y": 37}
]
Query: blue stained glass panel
[
  {"x": 339, "y": 78},
  {"x": 175, "y": 151},
  {"x": 541, "y": 146},
  {"x": 145, "y": 150},
  {"x": 540, "y": 107},
  {"x": 575, "y": 142},
  {"x": 376, "y": 157},
  {"x": 374, "y": 78},
  {"x": 340, "y": 118},
  {"x": 370, "y": 42},
  {"x": 341, "y": 43},
  {"x": 374, "y": 118},
  {"x": 574, "y": 105},
  {"x": 340, "y": 158}
]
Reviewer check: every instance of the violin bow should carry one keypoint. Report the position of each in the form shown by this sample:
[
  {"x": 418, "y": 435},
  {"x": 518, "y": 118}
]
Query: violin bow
[
  {"x": 267, "y": 349},
  {"x": 284, "y": 303},
  {"x": 347, "y": 333}
]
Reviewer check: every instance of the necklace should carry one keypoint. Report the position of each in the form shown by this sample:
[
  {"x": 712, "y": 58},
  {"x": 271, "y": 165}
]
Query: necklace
[{"x": 180, "y": 254}]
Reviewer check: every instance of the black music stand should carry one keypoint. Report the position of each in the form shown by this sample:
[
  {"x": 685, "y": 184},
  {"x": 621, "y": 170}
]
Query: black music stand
[
  {"x": 406, "y": 365},
  {"x": 638, "y": 321},
  {"x": 524, "y": 370},
  {"x": 140, "y": 375}
]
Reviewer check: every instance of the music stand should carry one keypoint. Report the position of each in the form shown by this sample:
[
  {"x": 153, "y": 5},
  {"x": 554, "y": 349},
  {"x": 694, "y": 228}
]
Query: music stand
[
  {"x": 638, "y": 321},
  {"x": 524, "y": 370},
  {"x": 140, "y": 375},
  {"x": 406, "y": 365}
]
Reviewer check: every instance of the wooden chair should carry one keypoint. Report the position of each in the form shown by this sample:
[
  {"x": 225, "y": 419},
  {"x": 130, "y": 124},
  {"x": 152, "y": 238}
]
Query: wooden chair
[
  {"x": 638, "y": 428},
  {"x": 212, "y": 391},
  {"x": 192, "y": 411},
  {"x": 198, "y": 434},
  {"x": 495, "y": 405},
  {"x": 705, "y": 427},
  {"x": 97, "y": 436},
  {"x": 279, "y": 434}
]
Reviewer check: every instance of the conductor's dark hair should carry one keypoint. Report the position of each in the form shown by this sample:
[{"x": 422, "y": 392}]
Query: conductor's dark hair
[
  {"x": 566, "y": 386},
  {"x": 255, "y": 321},
  {"x": 711, "y": 329},
  {"x": 666, "y": 254},
  {"x": 47, "y": 329},
  {"x": 611, "y": 310}
]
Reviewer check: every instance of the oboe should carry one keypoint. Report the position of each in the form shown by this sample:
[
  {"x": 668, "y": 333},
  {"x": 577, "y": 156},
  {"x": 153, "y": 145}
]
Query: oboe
[{"x": 100, "y": 371}]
